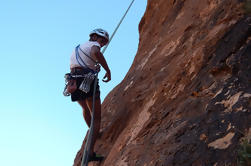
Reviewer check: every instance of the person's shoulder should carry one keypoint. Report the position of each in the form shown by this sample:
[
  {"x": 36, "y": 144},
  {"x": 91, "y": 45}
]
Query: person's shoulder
[
  {"x": 95, "y": 47},
  {"x": 84, "y": 44},
  {"x": 95, "y": 43}
]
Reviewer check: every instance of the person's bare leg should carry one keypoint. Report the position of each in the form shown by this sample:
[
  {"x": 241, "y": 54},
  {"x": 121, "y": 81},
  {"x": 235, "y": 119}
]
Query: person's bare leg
[
  {"x": 87, "y": 117},
  {"x": 97, "y": 120},
  {"x": 86, "y": 112}
]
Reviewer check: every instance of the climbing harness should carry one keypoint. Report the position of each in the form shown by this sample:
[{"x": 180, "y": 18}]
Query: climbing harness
[
  {"x": 90, "y": 76},
  {"x": 79, "y": 59},
  {"x": 70, "y": 79},
  {"x": 89, "y": 140}
]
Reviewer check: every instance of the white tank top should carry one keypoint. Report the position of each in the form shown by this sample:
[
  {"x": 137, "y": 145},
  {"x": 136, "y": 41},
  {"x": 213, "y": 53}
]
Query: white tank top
[{"x": 86, "y": 48}]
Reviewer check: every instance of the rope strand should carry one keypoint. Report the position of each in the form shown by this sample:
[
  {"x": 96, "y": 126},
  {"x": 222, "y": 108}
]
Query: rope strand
[{"x": 103, "y": 51}]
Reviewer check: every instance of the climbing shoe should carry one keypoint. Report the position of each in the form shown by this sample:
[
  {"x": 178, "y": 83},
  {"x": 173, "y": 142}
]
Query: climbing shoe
[{"x": 95, "y": 157}]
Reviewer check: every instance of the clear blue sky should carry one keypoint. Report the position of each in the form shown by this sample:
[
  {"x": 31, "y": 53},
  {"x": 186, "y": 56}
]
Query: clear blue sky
[{"x": 38, "y": 125}]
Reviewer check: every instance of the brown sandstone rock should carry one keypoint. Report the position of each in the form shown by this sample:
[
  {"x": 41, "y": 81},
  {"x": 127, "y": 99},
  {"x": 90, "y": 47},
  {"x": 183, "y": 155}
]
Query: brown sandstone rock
[{"x": 186, "y": 99}]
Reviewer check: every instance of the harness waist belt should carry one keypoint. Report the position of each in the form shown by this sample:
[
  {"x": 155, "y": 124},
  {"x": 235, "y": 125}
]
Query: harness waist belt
[{"x": 80, "y": 69}]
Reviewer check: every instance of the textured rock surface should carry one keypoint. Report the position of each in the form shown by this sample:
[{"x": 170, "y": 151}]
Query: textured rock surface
[{"x": 186, "y": 100}]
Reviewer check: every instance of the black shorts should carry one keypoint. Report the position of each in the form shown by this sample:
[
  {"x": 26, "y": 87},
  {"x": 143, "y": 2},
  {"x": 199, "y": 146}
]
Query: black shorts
[{"x": 80, "y": 95}]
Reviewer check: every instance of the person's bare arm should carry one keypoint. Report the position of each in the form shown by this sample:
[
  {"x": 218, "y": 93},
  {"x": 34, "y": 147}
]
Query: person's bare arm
[{"x": 101, "y": 59}]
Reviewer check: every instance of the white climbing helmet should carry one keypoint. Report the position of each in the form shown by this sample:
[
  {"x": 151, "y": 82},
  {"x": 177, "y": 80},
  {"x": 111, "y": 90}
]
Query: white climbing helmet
[{"x": 100, "y": 32}]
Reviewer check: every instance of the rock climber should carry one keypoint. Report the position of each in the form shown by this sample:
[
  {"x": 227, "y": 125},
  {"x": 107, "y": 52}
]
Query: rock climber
[{"x": 89, "y": 55}]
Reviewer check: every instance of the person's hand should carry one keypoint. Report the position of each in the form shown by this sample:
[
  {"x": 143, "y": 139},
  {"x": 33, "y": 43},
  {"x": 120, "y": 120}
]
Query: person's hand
[{"x": 107, "y": 77}]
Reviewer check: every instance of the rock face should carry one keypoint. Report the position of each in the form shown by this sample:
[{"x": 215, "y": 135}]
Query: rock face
[{"x": 186, "y": 100}]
